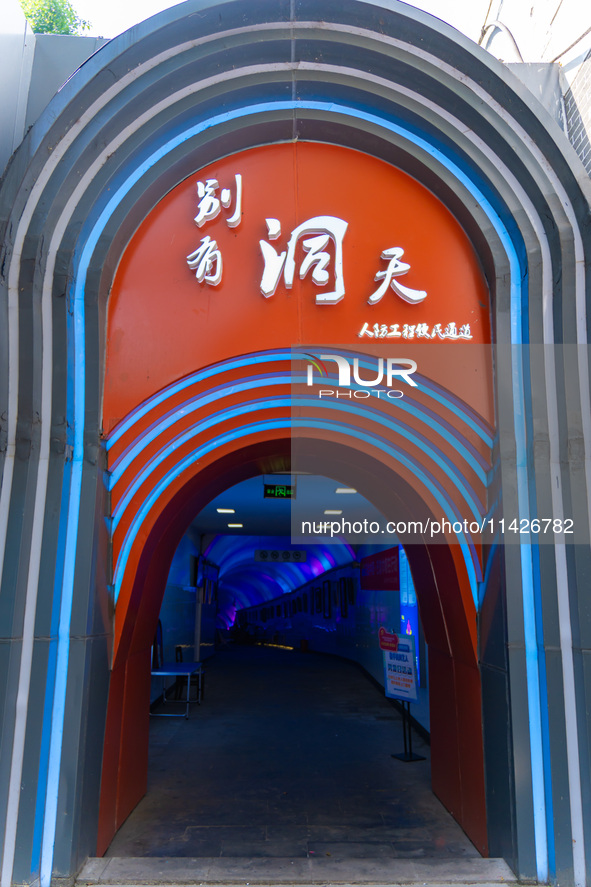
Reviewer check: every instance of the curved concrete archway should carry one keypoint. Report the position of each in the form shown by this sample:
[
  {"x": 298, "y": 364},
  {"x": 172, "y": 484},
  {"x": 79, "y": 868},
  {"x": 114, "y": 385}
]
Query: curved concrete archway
[{"x": 449, "y": 622}]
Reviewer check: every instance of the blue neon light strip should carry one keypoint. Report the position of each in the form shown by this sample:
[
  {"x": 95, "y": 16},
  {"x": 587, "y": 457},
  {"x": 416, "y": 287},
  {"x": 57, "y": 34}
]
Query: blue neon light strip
[
  {"x": 461, "y": 410},
  {"x": 43, "y": 773},
  {"x": 254, "y": 359},
  {"x": 467, "y": 549},
  {"x": 419, "y": 440},
  {"x": 379, "y": 417},
  {"x": 180, "y": 412},
  {"x": 476, "y": 422},
  {"x": 545, "y": 719},
  {"x": 78, "y": 373},
  {"x": 63, "y": 636},
  {"x": 454, "y": 404},
  {"x": 282, "y": 403},
  {"x": 453, "y": 435}
]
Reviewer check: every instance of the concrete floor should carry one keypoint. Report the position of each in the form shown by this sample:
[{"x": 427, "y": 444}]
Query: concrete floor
[{"x": 289, "y": 757}]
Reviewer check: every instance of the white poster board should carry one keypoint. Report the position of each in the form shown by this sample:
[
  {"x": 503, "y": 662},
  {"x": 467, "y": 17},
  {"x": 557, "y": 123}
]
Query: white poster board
[{"x": 400, "y": 673}]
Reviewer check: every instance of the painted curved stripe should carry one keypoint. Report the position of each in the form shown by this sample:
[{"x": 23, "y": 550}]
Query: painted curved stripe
[{"x": 423, "y": 445}]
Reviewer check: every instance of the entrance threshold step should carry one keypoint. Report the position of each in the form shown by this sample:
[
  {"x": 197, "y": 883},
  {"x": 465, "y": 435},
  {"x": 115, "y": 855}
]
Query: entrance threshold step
[{"x": 257, "y": 872}]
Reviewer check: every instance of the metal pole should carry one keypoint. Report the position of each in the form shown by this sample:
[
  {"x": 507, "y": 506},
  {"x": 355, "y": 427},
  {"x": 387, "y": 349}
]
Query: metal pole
[{"x": 404, "y": 730}]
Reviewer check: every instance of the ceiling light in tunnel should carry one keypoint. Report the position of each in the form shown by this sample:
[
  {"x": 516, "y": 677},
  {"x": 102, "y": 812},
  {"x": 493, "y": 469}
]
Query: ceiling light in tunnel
[
  {"x": 226, "y": 510},
  {"x": 345, "y": 490},
  {"x": 333, "y": 511},
  {"x": 235, "y": 525}
]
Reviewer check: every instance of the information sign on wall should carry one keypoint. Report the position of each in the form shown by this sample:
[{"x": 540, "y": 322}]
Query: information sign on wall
[{"x": 400, "y": 676}]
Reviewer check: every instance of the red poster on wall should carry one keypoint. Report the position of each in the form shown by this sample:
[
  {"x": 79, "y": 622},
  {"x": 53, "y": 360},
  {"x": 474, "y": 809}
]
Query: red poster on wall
[{"x": 380, "y": 572}]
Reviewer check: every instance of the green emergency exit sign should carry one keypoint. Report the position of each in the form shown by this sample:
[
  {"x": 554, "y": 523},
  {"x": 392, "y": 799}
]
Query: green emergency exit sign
[{"x": 279, "y": 491}]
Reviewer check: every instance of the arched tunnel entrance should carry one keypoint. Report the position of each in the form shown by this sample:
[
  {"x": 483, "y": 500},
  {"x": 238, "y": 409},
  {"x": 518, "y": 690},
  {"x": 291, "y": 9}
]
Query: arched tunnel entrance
[
  {"x": 442, "y": 588},
  {"x": 410, "y": 425},
  {"x": 193, "y": 406}
]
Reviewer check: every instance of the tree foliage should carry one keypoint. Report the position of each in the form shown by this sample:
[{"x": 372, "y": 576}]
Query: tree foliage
[{"x": 53, "y": 17}]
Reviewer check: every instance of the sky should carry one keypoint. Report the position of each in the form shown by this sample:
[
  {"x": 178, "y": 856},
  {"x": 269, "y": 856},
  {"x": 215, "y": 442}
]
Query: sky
[{"x": 110, "y": 17}]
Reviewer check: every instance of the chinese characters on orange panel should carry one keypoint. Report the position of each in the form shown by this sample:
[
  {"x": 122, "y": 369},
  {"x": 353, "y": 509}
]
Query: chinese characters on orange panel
[{"x": 316, "y": 234}]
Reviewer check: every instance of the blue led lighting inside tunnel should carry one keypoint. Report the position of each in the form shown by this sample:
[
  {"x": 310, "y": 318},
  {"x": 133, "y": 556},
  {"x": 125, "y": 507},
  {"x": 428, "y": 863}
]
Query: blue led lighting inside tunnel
[
  {"x": 276, "y": 579},
  {"x": 235, "y": 556},
  {"x": 221, "y": 543},
  {"x": 475, "y": 185},
  {"x": 236, "y": 552},
  {"x": 293, "y": 575}
]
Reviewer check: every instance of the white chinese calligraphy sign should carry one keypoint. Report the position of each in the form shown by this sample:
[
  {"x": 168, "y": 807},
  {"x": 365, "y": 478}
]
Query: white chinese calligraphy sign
[{"x": 293, "y": 243}]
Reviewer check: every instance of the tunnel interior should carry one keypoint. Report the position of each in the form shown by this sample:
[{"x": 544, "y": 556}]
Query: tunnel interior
[{"x": 291, "y": 750}]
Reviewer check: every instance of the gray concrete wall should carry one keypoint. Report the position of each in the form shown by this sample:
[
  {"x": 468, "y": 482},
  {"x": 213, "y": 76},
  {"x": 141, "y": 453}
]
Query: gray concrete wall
[
  {"x": 17, "y": 47},
  {"x": 56, "y": 58},
  {"x": 33, "y": 67}
]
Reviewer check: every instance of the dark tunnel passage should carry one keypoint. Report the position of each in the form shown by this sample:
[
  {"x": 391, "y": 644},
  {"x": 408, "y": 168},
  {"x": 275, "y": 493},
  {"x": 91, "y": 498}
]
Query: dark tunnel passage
[{"x": 290, "y": 751}]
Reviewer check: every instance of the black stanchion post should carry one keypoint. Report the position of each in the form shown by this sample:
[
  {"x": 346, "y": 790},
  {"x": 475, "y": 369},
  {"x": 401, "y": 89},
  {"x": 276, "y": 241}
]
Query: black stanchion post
[
  {"x": 404, "y": 729},
  {"x": 408, "y": 755}
]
